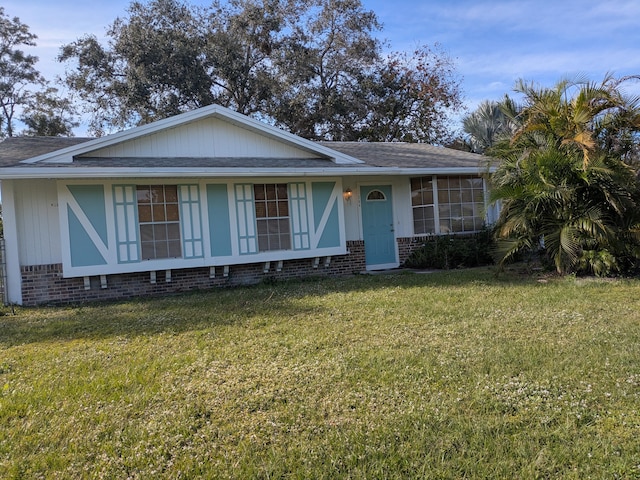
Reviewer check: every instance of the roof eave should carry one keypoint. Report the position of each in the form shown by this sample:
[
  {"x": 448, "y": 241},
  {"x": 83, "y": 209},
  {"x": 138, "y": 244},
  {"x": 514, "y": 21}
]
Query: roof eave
[{"x": 17, "y": 173}]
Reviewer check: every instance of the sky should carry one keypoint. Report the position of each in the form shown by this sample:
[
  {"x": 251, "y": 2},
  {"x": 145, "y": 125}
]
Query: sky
[{"x": 493, "y": 43}]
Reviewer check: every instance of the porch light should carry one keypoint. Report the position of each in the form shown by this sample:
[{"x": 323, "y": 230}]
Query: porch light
[{"x": 347, "y": 194}]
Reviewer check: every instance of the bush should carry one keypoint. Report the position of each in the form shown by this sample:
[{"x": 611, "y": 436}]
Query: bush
[{"x": 453, "y": 251}]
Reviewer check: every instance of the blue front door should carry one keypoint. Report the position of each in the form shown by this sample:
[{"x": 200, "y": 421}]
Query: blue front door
[{"x": 377, "y": 226}]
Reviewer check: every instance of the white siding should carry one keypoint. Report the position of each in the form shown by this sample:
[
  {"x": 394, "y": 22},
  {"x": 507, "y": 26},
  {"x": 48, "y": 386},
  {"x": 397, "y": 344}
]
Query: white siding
[
  {"x": 203, "y": 139},
  {"x": 38, "y": 222},
  {"x": 401, "y": 193}
]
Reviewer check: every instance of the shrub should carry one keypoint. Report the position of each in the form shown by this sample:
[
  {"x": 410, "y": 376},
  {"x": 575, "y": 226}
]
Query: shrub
[{"x": 453, "y": 251}]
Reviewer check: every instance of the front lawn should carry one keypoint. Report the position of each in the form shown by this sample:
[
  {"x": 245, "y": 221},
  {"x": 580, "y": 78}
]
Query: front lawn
[{"x": 456, "y": 374}]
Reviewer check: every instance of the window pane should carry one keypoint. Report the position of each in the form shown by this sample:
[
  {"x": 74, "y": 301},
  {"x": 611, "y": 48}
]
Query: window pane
[
  {"x": 162, "y": 251},
  {"x": 146, "y": 233},
  {"x": 456, "y": 210},
  {"x": 174, "y": 249},
  {"x": 160, "y": 232},
  {"x": 261, "y": 209},
  {"x": 375, "y": 195},
  {"x": 143, "y": 194},
  {"x": 158, "y": 213},
  {"x": 454, "y": 196},
  {"x": 173, "y": 231},
  {"x": 258, "y": 192},
  {"x": 282, "y": 190},
  {"x": 263, "y": 243},
  {"x": 171, "y": 193},
  {"x": 271, "y": 192},
  {"x": 148, "y": 250},
  {"x": 272, "y": 209},
  {"x": 157, "y": 193},
  {"x": 443, "y": 195},
  {"x": 144, "y": 213},
  {"x": 283, "y": 208},
  {"x": 172, "y": 212},
  {"x": 467, "y": 210}
]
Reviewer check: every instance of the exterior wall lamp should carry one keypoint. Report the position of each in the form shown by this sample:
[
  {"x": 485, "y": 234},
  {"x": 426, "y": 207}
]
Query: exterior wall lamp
[{"x": 347, "y": 194}]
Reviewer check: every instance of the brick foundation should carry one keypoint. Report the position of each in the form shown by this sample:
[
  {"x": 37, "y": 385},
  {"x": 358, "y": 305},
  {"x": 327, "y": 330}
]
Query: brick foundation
[
  {"x": 44, "y": 284},
  {"x": 406, "y": 245}
]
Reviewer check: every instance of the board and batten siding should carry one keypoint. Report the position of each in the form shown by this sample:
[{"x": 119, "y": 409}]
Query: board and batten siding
[
  {"x": 100, "y": 229},
  {"x": 206, "y": 138},
  {"x": 37, "y": 222}
]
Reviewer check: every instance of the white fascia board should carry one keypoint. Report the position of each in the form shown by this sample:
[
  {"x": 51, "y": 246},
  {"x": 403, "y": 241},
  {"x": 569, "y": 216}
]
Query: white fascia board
[
  {"x": 66, "y": 155},
  {"x": 62, "y": 173}
]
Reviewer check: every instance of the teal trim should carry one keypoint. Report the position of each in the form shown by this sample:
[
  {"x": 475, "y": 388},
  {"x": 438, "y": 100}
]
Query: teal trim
[
  {"x": 126, "y": 215},
  {"x": 298, "y": 216},
  {"x": 190, "y": 221},
  {"x": 322, "y": 199},
  {"x": 83, "y": 251},
  {"x": 219, "y": 220},
  {"x": 246, "y": 221},
  {"x": 90, "y": 198}
]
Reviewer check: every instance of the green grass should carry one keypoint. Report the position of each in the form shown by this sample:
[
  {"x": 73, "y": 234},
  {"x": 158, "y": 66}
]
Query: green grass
[{"x": 448, "y": 375}]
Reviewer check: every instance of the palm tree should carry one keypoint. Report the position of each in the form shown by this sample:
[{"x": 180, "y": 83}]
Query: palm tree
[
  {"x": 490, "y": 122},
  {"x": 563, "y": 189}
]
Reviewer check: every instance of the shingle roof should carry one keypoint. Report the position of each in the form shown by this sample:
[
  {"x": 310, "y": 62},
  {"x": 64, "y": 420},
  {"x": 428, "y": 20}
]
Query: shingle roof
[
  {"x": 15, "y": 149},
  {"x": 406, "y": 155},
  {"x": 374, "y": 154}
]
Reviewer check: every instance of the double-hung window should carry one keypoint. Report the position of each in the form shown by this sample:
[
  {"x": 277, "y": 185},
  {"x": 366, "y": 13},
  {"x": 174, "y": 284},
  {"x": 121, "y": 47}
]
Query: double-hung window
[
  {"x": 159, "y": 221},
  {"x": 272, "y": 216}
]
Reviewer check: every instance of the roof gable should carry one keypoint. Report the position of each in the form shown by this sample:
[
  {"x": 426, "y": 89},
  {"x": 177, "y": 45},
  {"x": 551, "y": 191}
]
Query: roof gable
[{"x": 209, "y": 132}]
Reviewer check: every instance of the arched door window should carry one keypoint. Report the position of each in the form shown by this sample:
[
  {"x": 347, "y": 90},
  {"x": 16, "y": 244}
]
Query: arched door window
[{"x": 376, "y": 196}]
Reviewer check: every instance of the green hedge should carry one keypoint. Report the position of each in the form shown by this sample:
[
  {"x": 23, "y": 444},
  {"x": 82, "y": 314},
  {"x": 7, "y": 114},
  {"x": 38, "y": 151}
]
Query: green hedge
[{"x": 454, "y": 251}]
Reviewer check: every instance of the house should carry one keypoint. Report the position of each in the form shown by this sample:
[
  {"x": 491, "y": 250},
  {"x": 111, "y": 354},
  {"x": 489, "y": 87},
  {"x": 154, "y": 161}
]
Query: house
[{"x": 211, "y": 198}]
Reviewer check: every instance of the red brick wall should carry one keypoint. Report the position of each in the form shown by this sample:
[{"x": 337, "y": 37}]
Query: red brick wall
[
  {"x": 44, "y": 284},
  {"x": 406, "y": 245}
]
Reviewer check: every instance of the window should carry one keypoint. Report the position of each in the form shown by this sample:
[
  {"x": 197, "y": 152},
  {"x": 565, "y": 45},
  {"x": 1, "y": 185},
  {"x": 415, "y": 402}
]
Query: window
[
  {"x": 376, "y": 196},
  {"x": 272, "y": 216},
  {"x": 423, "y": 206},
  {"x": 447, "y": 204},
  {"x": 159, "y": 220}
]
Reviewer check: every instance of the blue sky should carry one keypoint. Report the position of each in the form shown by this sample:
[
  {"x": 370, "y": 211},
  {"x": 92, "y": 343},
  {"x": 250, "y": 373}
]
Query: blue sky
[{"x": 493, "y": 42}]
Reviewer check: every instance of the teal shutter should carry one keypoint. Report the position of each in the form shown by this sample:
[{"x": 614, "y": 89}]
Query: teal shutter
[
  {"x": 126, "y": 213},
  {"x": 88, "y": 238},
  {"x": 219, "y": 220},
  {"x": 190, "y": 220},
  {"x": 325, "y": 214},
  {"x": 246, "y": 221},
  {"x": 299, "y": 217}
]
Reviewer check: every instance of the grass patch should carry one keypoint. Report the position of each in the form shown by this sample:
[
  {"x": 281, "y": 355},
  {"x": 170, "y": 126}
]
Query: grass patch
[{"x": 456, "y": 374}]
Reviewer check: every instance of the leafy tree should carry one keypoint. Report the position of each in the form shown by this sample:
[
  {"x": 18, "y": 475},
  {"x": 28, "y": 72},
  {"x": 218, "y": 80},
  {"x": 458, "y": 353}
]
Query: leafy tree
[
  {"x": 310, "y": 66},
  {"x": 410, "y": 98},
  {"x": 17, "y": 70},
  {"x": 324, "y": 65},
  {"x": 562, "y": 186},
  {"x": 48, "y": 114},
  {"x": 155, "y": 67}
]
